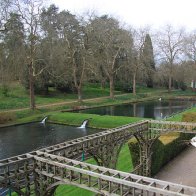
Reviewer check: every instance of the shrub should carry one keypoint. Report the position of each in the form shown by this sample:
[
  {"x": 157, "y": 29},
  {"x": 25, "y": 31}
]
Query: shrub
[
  {"x": 183, "y": 86},
  {"x": 6, "y": 117},
  {"x": 163, "y": 153},
  {"x": 189, "y": 117},
  {"x": 164, "y": 149},
  {"x": 5, "y": 90}
]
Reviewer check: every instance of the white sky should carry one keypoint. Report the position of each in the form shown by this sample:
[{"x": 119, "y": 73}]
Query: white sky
[{"x": 155, "y": 13}]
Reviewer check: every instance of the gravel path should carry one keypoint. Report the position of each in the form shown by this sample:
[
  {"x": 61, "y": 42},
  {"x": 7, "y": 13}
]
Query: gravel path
[{"x": 182, "y": 169}]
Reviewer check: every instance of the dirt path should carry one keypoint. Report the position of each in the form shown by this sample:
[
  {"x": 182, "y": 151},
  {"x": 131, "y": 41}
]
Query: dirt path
[
  {"x": 66, "y": 103},
  {"x": 58, "y": 104},
  {"x": 182, "y": 169}
]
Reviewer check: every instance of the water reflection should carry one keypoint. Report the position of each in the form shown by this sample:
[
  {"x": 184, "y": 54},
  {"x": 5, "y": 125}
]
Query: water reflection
[
  {"x": 151, "y": 109},
  {"x": 24, "y": 138}
]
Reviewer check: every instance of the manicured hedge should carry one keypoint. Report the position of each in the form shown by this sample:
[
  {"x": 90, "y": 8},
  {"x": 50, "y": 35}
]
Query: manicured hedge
[
  {"x": 189, "y": 117},
  {"x": 164, "y": 149},
  {"x": 163, "y": 153}
]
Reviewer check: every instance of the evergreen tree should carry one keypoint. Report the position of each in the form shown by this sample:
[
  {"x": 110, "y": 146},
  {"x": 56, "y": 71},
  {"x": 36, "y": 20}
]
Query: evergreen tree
[
  {"x": 148, "y": 60},
  {"x": 14, "y": 40}
]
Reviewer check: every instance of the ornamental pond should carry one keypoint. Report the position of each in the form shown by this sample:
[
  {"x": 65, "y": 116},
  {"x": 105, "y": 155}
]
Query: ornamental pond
[{"x": 20, "y": 139}]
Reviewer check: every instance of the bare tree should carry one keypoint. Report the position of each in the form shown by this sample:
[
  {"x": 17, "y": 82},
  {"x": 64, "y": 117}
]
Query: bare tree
[
  {"x": 110, "y": 41},
  {"x": 170, "y": 42},
  {"x": 136, "y": 59},
  {"x": 30, "y": 11},
  {"x": 190, "y": 53},
  {"x": 74, "y": 44}
]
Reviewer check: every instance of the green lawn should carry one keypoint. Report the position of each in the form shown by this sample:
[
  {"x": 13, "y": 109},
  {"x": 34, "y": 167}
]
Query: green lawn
[
  {"x": 18, "y": 97},
  {"x": 97, "y": 121},
  {"x": 178, "y": 117}
]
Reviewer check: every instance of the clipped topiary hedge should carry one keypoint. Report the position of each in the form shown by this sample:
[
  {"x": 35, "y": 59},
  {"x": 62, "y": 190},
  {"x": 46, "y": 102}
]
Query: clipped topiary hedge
[
  {"x": 164, "y": 152},
  {"x": 189, "y": 117},
  {"x": 164, "y": 149}
]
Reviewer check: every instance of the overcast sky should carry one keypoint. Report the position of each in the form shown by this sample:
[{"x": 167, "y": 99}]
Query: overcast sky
[{"x": 138, "y": 13}]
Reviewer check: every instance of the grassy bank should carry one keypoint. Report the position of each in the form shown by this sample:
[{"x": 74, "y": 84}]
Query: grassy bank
[
  {"x": 27, "y": 115},
  {"x": 179, "y": 117},
  {"x": 18, "y": 97},
  {"x": 96, "y": 121}
]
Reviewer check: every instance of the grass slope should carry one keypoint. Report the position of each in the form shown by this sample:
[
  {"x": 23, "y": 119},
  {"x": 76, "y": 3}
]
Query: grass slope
[
  {"x": 179, "y": 117},
  {"x": 97, "y": 121}
]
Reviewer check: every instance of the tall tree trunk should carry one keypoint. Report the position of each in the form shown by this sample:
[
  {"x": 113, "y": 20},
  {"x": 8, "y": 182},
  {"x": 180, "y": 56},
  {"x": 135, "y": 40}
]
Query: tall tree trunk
[
  {"x": 134, "y": 83},
  {"x": 79, "y": 89},
  {"x": 111, "y": 87},
  {"x": 31, "y": 87},
  {"x": 170, "y": 83},
  {"x": 103, "y": 83}
]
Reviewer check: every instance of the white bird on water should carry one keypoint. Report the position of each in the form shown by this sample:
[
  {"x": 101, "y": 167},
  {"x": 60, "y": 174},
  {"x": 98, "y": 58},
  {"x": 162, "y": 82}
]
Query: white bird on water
[{"x": 160, "y": 99}]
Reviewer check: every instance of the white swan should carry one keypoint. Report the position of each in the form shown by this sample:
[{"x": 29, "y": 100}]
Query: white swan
[{"x": 160, "y": 99}]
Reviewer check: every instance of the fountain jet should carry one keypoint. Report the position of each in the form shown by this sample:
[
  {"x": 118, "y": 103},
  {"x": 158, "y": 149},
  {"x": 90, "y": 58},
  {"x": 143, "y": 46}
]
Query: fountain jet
[
  {"x": 84, "y": 124},
  {"x": 44, "y": 120}
]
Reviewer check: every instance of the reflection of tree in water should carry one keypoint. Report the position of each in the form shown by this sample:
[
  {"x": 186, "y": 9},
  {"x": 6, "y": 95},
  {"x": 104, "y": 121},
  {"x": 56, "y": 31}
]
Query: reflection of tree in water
[
  {"x": 140, "y": 110},
  {"x": 149, "y": 110},
  {"x": 112, "y": 111},
  {"x": 134, "y": 109}
]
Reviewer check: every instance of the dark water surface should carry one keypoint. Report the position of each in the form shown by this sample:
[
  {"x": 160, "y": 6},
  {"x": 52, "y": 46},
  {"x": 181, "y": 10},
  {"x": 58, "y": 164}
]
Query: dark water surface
[
  {"x": 20, "y": 139},
  {"x": 149, "y": 109}
]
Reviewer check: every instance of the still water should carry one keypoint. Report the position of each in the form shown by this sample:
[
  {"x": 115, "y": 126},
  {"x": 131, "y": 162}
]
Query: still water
[
  {"x": 20, "y": 139},
  {"x": 149, "y": 109}
]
